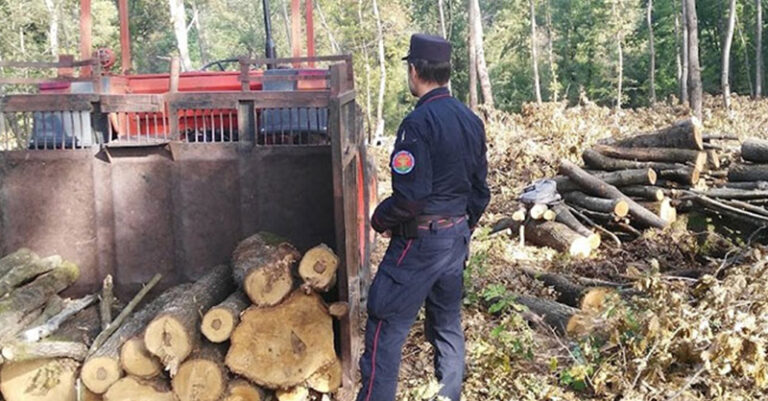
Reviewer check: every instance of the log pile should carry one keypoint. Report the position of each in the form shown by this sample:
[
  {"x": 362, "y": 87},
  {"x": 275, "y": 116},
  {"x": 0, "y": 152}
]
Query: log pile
[
  {"x": 643, "y": 182},
  {"x": 255, "y": 330}
]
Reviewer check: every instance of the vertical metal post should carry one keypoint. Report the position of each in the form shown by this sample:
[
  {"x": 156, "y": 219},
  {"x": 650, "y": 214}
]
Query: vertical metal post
[
  {"x": 296, "y": 30},
  {"x": 270, "y": 51},
  {"x": 310, "y": 32},
  {"x": 85, "y": 35},
  {"x": 125, "y": 36}
]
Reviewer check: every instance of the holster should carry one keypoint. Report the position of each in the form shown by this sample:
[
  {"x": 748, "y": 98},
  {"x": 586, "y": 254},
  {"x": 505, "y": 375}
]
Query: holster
[{"x": 407, "y": 230}]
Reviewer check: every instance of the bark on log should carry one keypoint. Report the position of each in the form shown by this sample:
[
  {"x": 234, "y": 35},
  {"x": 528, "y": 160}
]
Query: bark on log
[
  {"x": 748, "y": 172},
  {"x": 645, "y": 192},
  {"x": 668, "y": 155},
  {"x": 733, "y": 193},
  {"x": 563, "y": 318},
  {"x": 755, "y": 150},
  {"x": 747, "y": 206},
  {"x": 105, "y": 304},
  {"x": 713, "y": 160},
  {"x": 23, "y": 273},
  {"x": 572, "y": 293},
  {"x": 174, "y": 333},
  {"x": 618, "y": 207},
  {"x": 263, "y": 265},
  {"x": 683, "y": 175},
  {"x": 33, "y": 296},
  {"x": 600, "y": 188},
  {"x": 298, "y": 393},
  {"x": 52, "y": 308},
  {"x": 242, "y": 390},
  {"x": 134, "y": 389},
  {"x": 203, "y": 376},
  {"x": 18, "y": 258},
  {"x": 299, "y": 332},
  {"x": 220, "y": 321},
  {"x": 327, "y": 379},
  {"x": 620, "y": 178},
  {"x": 318, "y": 268},
  {"x": 597, "y": 161},
  {"x": 136, "y": 361},
  {"x": 39, "y": 380},
  {"x": 71, "y": 308},
  {"x": 686, "y": 134},
  {"x": 102, "y": 368},
  {"x": 748, "y": 185},
  {"x": 558, "y": 237},
  {"x": 565, "y": 216}
]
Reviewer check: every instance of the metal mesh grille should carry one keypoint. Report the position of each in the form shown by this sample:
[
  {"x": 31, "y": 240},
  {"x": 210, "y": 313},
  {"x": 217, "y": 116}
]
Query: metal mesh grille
[
  {"x": 292, "y": 126},
  {"x": 137, "y": 128},
  {"x": 208, "y": 125},
  {"x": 46, "y": 130}
]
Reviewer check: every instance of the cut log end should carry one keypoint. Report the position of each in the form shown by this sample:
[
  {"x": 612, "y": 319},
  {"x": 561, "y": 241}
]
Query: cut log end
[
  {"x": 621, "y": 207},
  {"x": 99, "y": 373},
  {"x": 581, "y": 248},
  {"x": 199, "y": 380},
  {"x": 241, "y": 390},
  {"x": 538, "y": 210},
  {"x": 549, "y": 215},
  {"x": 318, "y": 267},
  {"x": 519, "y": 215},
  {"x": 263, "y": 263},
  {"x": 652, "y": 176},
  {"x": 299, "y": 393},
  {"x": 168, "y": 339},
  {"x": 267, "y": 287},
  {"x": 594, "y": 299},
  {"x": 39, "y": 380},
  {"x": 133, "y": 389},
  {"x": 327, "y": 379},
  {"x": 218, "y": 324},
  {"x": 137, "y": 361},
  {"x": 594, "y": 240}
]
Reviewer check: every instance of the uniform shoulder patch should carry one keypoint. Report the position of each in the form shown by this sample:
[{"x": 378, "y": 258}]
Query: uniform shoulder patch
[{"x": 403, "y": 162}]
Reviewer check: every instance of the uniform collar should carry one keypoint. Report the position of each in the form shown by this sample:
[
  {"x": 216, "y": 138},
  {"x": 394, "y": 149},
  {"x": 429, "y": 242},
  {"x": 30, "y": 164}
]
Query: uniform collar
[{"x": 433, "y": 95}]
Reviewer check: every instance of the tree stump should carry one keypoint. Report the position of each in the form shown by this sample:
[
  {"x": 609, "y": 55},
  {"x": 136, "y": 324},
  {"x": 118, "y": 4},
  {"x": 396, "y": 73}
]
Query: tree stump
[{"x": 686, "y": 134}]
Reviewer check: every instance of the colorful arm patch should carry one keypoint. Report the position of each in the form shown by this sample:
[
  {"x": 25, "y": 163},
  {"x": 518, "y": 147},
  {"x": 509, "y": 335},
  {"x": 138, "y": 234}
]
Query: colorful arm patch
[{"x": 403, "y": 162}]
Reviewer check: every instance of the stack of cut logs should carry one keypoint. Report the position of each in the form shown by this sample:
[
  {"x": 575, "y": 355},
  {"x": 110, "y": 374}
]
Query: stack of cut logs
[
  {"x": 643, "y": 182},
  {"x": 246, "y": 332}
]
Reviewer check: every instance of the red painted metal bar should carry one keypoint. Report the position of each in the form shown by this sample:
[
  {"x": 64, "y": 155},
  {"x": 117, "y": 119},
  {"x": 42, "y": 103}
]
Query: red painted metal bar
[
  {"x": 310, "y": 31},
  {"x": 296, "y": 29},
  {"x": 125, "y": 36},
  {"x": 85, "y": 35}
]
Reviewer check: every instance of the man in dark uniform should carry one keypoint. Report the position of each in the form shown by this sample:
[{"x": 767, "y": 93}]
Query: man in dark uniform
[{"x": 439, "y": 190}]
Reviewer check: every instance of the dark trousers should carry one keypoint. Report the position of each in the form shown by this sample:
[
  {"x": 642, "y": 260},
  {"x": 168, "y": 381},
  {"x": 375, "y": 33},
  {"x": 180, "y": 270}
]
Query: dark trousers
[{"x": 427, "y": 270}]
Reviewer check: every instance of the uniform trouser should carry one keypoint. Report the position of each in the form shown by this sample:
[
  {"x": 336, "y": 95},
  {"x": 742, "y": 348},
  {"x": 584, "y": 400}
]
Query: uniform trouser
[{"x": 427, "y": 270}]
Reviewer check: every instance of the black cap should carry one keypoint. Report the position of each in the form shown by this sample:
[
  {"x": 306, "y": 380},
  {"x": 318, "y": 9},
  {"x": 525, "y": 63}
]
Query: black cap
[{"x": 430, "y": 48}]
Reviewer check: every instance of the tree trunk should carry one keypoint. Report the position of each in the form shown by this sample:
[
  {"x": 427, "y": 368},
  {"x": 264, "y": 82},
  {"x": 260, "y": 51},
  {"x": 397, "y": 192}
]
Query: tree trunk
[
  {"x": 203, "y": 376},
  {"x": 597, "y": 161},
  {"x": 759, "y": 48},
  {"x": 179, "y": 21},
  {"x": 669, "y": 155},
  {"x": 106, "y": 301},
  {"x": 570, "y": 292},
  {"x": 682, "y": 175},
  {"x": 333, "y": 43},
  {"x": 53, "y": 27},
  {"x": 39, "y": 380},
  {"x": 599, "y": 188},
  {"x": 565, "y": 319},
  {"x": 534, "y": 59},
  {"x": 694, "y": 70},
  {"x": 726, "y": 61},
  {"x": 382, "y": 71},
  {"x": 737, "y": 193},
  {"x": 651, "y": 50},
  {"x": 558, "y": 237},
  {"x": 175, "y": 332},
  {"x": 755, "y": 150},
  {"x": 443, "y": 29},
  {"x": 102, "y": 368},
  {"x": 678, "y": 54},
  {"x": 663, "y": 209},
  {"x": 619, "y": 178},
  {"x": 617, "y": 207},
  {"x": 748, "y": 185},
  {"x": 745, "y": 50},
  {"x": 318, "y": 268},
  {"x": 263, "y": 266},
  {"x": 565, "y": 216},
  {"x": 482, "y": 68},
  {"x": 22, "y": 274},
  {"x": 686, "y": 58},
  {"x": 220, "y": 321},
  {"x": 368, "y": 103},
  {"x": 286, "y": 20},
  {"x": 134, "y": 389},
  {"x": 472, "y": 48},
  {"x": 328, "y": 379},
  {"x": 242, "y": 390},
  {"x": 36, "y": 333},
  {"x": 684, "y": 134},
  {"x": 202, "y": 43},
  {"x": 299, "y": 333},
  {"x": 620, "y": 65},
  {"x": 555, "y": 85},
  {"x": 136, "y": 360},
  {"x": 646, "y": 192},
  {"x": 53, "y": 306},
  {"x": 19, "y": 258},
  {"x": 33, "y": 296},
  {"x": 748, "y": 172}
]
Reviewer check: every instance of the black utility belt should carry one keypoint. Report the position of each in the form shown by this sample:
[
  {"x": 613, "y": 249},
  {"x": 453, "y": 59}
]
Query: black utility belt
[{"x": 423, "y": 224}]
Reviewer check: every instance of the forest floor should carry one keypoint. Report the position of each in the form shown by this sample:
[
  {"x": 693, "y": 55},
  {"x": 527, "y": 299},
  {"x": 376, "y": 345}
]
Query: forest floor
[{"x": 681, "y": 339}]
